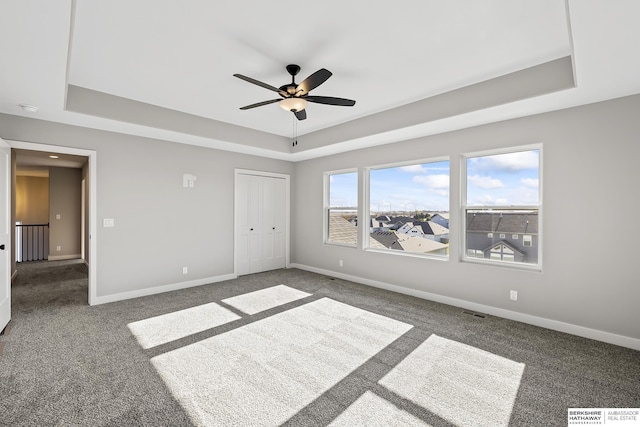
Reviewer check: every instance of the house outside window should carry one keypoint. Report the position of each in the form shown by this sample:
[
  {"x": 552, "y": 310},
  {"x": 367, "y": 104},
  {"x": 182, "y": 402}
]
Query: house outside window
[
  {"x": 502, "y": 197},
  {"x": 408, "y": 208},
  {"x": 341, "y": 208}
]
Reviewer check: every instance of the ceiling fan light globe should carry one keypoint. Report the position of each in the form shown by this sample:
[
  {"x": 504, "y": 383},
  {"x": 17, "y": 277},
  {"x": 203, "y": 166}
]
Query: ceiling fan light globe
[{"x": 293, "y": 104}]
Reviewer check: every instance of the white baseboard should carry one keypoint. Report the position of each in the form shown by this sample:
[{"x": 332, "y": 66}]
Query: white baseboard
[
  {"x": 555, "y": 325},
  {"x": 63, "y": 257},
  {"x": 160, "y": 289}
]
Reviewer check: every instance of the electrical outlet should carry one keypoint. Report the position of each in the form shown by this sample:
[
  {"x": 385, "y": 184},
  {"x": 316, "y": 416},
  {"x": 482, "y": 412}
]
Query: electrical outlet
[
  {"x": 513, "y": 295},
  {"x": 58, "y": 248},
  {"x": 185, "y": 270},
  {"x": 340, "y": 263}
]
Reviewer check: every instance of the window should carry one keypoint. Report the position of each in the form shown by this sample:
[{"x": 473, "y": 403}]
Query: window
[
  {"x": 475, "y": 253},
  {"x": 502, "y": 197},
  {"x": 402, "y": 201},
  {"x": 341, "y": 208}
]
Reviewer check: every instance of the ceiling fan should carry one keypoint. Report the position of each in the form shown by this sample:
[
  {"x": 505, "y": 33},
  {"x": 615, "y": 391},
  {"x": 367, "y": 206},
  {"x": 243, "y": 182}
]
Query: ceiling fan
[{"x": 294, "y": 97}]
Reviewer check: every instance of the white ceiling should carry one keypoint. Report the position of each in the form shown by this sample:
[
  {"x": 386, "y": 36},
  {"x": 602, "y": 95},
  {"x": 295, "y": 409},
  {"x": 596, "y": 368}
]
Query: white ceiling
[{"x": 181, "y": 56}]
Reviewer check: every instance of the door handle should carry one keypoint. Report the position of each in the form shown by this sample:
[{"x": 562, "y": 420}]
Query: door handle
[{"x": 2, "y": 247}]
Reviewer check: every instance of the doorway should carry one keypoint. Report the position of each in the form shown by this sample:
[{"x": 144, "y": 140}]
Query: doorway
[{"x": 86, "y": 221}]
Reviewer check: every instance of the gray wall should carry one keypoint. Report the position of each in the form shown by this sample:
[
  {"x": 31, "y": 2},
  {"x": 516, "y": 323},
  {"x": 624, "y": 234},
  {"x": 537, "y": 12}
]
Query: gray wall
[
  {"x": 65, "y": 196},
  {"x": 160, "y": 226},
  {"x": 32, "y": 199},
  {"x": 590, "y": 172}
]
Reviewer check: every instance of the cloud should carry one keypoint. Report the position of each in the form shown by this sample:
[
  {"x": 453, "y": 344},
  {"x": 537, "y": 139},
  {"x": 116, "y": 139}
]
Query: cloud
[
  {"x": 485, "y": 182},
  {"x": 482, "y": 200},
  {"x": 510, "y": 162},
  {"x": 530, "y": 182},
  {"x": 439, "y": 181},
  {"x": 413, "y": 169}
]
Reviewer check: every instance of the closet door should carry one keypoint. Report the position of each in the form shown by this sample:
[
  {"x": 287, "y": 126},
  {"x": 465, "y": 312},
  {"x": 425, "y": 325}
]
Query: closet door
[
  {"x": 243, "y": 224},
  {"x": 260, "y": 223},
  {"x": 273, "y": 220}
]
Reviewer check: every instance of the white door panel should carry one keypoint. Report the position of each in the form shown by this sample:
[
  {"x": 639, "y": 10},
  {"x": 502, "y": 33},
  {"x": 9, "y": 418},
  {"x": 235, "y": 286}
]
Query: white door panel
[{"x": 5, "y": 237}]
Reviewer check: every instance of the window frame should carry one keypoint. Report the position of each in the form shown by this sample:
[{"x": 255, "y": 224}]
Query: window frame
[
  {"x": 463, "y": 256},
  {"x": 366, "y": 208},
  {"x": 326, "y": 208}
]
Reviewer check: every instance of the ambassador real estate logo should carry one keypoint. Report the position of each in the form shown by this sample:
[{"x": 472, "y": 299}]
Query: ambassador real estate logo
[{"x": 603, "y": 416}]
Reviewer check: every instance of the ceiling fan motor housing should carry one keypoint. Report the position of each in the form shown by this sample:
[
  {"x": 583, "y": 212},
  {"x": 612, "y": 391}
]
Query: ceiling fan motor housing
[{"x": 293, "y": 69}]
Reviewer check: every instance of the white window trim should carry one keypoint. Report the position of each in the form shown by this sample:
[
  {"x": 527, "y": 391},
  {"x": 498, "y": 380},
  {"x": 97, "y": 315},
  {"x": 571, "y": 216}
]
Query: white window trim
[
  {"x": 366, "y": 207},
  {"x": 327, "y": 202},
  {"x": 463, "y": 208}
]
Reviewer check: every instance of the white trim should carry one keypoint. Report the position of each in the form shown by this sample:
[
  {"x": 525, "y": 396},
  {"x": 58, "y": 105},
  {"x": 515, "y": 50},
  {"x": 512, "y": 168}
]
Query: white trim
[
  {"x": 326, "y": 205},
  {"x": 594, "y": 334},
  {"x": 161, "y": 289},
  {"x": 287, "y": 196},
  {"x": 63, "y": 257},
  {"x": 93, "y": 205}
]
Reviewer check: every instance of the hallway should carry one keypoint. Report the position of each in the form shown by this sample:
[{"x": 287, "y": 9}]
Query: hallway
[{"x": 48, "y": 285}]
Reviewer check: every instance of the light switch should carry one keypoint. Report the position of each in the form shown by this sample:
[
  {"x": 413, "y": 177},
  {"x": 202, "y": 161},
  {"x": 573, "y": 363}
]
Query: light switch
[
  {"x": 188, "y": 180},
  {"x": 108, "y": 222},
  {"x": 57, "y": 216}
]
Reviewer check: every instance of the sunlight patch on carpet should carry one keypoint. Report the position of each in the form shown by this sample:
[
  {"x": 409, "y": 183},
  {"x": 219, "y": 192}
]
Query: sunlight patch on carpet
[
  {"x": 264, "y": 299},
  {"x": 372, "y": 410},
  {"x": 168, "y": 327},
  {"x": 458, "y": 382},
  {"x": 269, "y": 370}
]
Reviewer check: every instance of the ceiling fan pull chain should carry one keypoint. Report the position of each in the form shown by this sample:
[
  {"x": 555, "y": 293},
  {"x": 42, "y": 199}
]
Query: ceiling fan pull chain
[{"x": 294, "y": 131}]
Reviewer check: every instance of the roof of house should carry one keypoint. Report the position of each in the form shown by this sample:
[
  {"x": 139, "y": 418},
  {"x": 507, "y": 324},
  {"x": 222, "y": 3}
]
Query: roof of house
[
  {"x": 507, "y": 244},
  {"x": 444, "y": 215},
  {"x": 387, "y": 239},
  {"x": 433, "y": 228},
  {"x": 503, "y": 222},
  {"x": 341, "y": 230},
  {"x": 420, "y": 244},
  {"x": 401, "y": 220},
  {"x": 383, "y": 218}
]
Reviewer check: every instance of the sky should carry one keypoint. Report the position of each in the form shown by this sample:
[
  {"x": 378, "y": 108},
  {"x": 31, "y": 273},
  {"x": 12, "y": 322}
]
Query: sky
[{"x": 503, "y": 180}]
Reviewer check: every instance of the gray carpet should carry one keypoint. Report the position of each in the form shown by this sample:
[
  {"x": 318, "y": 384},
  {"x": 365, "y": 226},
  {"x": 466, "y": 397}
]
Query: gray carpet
[{"x": 288, "y": 347}]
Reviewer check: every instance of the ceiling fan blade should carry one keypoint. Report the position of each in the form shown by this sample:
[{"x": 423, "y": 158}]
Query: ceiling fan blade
[
  {"x": 329, "y": 100},
  {"x": 301, "y": 115},
  {"x": 313, "y": 81},
  {"x": 260, "y": 104},
  {"x": 261, "y": 84}
]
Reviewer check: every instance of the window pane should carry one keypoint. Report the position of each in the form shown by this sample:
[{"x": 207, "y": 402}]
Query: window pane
[
  {"x": 409, "y": 208},
  {"x": 503, "y": 202},
  {"x": 504, "y": 179},
  {"x": 479, "y": 223},
  {"x": 343, "y": 208}
]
